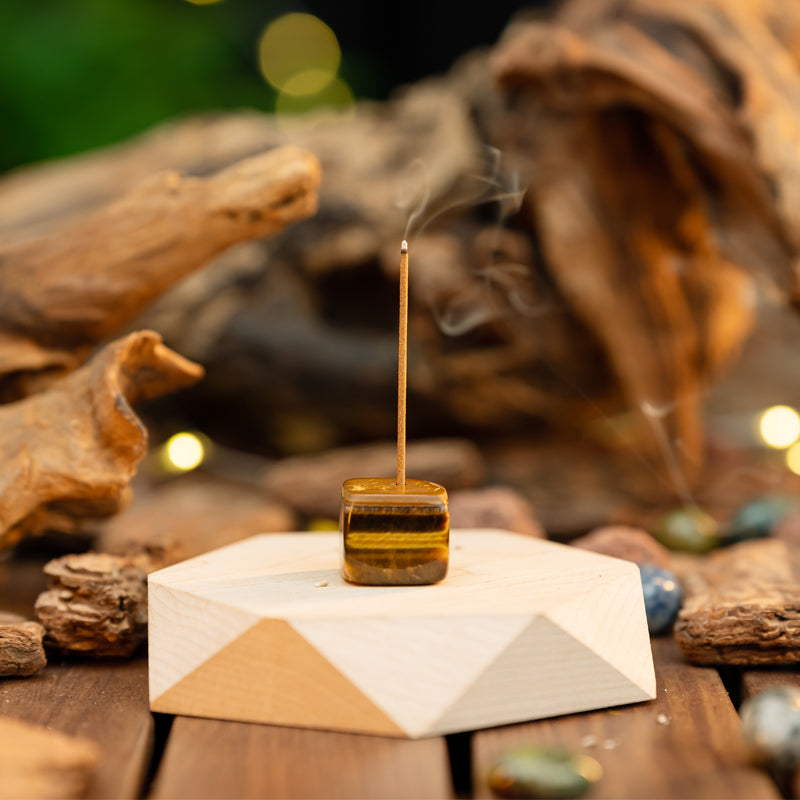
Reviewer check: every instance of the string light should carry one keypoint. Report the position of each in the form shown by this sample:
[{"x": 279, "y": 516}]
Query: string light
[{"x": 793, "y": 458}]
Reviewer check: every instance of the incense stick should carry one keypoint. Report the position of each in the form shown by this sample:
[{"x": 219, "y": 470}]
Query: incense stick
[{"x": 402, "y": 363}]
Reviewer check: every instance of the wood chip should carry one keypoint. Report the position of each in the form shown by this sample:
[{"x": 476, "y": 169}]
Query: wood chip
[
  {"x": 36, "y": 762},
  {"x": 96, "y": 605},
  {"x": 742, "y": 606},
  {"x": 21, "y": 648}
]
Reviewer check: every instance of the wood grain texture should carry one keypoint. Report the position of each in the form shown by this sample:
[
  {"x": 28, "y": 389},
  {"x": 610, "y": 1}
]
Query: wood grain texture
[
  {"x": 694, "y": 750},
  {"x": 106, "y": 703},
  {"x": 215, "y": 759},
  {"x": 755, "y": 681},
  {"x": 267, "y": 630}
]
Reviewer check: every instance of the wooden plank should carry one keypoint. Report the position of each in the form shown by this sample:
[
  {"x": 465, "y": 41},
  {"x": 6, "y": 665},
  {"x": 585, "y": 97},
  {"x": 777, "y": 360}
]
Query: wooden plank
[
  {"x": 106, "y": 702},
  {"x": 686, "y": 743},
  {"x": 208, "y": 758},
  {"x": 755, "y": 681}
]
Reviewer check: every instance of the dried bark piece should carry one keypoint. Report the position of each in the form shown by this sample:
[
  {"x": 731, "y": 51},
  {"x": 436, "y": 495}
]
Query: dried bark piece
[
  {"x": 38, "y": 762},
  {"x": 743, "y": 606},
  {"x": 63, "y": 293},
  {"x": 96, "y": 605},
  {"x": 191, "y": 516},
  {"x": 21, "y": 649},
  {"x": 625, "y": 541},
  {"x": 494, "y": 507},
  {"x": 74, "y": 448},
  {"x": 313, "y": 484}
]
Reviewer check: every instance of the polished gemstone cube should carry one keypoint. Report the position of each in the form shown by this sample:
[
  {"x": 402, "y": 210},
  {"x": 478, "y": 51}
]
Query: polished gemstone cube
[{"x": 394, "y": 534}]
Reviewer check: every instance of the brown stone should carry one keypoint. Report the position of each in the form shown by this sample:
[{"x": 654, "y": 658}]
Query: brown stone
[
  {"x": 742, "y": 606},
  {"x": 494, "y": 507},
  {"x": 96, "y": 605},
  {"x": 190, "y": 516},
  {"x": 313, "y": 484},
  {"x": 21, "y": 649},
  {"x": 623, "y": 541}
]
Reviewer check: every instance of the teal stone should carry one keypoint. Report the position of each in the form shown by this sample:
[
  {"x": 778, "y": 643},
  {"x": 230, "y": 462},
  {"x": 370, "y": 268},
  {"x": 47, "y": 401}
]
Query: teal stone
[
  {"x": 771, "y": 728},
  {"x": 543, "y": 772},
  {"x": 759, "y": 517},
  {"x": 688, "y": 529}
]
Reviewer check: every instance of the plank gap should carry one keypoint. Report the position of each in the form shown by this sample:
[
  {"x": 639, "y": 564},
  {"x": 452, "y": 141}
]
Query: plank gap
[
  {"x": 162, "y": 726},
  {"x": 731, "y": 678},
  {"x": 459, "y": 753}
]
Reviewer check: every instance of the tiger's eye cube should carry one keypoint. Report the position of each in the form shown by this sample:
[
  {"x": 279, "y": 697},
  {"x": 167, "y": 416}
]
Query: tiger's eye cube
[{"x": 394, "y": 535}]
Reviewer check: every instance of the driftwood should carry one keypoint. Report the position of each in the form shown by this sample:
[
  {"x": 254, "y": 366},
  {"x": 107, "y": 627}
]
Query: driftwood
[
  {"x": 65, "y": 292},
  {"x": 742, "y": 606},
  {"x": 72, "y": 450},
  {"x": 21, "y": 649},
  {"x": 96, "y": 605},
  {"x": 313, "y": 484},
  {"x": 191, "y": 516},
  {"x": 38, "y": 762}
]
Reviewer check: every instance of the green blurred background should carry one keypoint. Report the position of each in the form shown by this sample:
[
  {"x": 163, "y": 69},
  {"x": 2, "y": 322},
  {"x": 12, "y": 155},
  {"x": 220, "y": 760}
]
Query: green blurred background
[{"x": 78, "y": 74}]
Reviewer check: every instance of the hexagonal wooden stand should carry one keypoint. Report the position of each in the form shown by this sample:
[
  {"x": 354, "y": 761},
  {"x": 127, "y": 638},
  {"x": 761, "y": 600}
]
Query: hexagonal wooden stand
[{"x": 266, "y": 630}]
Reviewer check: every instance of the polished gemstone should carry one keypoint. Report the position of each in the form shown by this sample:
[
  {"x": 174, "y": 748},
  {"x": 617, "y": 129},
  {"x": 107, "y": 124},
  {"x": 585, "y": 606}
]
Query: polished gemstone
[
  {"x": 759, "y": 517},
  {"x": 546, "y": 772},
  {"x": 689, "y": 529},
  {"x": 771, "y": 727},
  {"x": 394, "y": 534},
  {"x": 662, "y": 597}
]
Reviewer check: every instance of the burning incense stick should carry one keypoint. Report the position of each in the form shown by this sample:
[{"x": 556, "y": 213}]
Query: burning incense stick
[{"x": 402, "y": 361}]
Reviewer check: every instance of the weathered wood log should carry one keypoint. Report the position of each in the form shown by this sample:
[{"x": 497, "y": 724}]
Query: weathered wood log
[
  {"x": 21, "y": 648},
  {"x": 37, "y": 762},
  {"x": 313, "y": 484},
  {"x": 65, "y": 292},
  {"x": 72, "y": 449},
  {"x": 191, "y": 516},
  {"x": 96, "y": 605},
  {"x": 742, "y": 606}
]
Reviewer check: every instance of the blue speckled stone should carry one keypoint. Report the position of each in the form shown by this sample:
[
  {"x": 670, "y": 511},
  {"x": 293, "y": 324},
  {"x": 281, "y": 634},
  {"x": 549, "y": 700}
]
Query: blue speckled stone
[
  {"x": 759, "y": 517},
  {"x": 662, "y": 597},
  {"x": 771, "y": 727}
]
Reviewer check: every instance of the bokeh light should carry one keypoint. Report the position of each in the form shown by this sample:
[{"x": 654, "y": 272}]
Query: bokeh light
[
  {"x": 793, "y": 458},
  {"x": 336, "y": 95},
  {"x": 183, "y": 452},
  {"x": 779, "y": 426},
  {"x": 203, "y": 2},
  {"x": 299, "y": 54}
]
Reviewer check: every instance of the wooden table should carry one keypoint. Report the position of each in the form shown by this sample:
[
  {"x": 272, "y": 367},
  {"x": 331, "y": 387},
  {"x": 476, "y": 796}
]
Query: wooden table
[{"x": 684, "y": 744}]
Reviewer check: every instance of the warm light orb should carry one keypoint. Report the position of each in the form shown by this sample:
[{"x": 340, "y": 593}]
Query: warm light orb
[
  {"x": 779, "y": 426},
  {"x": 299, "y": 54},
  {"x": 793, "y": 458},
  {"x": 184, "y": 451},
  {"x": 335, "y": 95},
  {"x": 203, "y": 2}
]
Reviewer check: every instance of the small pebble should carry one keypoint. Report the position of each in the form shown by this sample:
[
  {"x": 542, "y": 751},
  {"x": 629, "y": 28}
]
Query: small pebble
[
  {"x": 688, "y": 529},
  {"x": 543, "y": 772},
  {"x": 589, "y": 741},
  {"x": 663, "y": 597},
  {"x": 321, "y": 584},
  {"x": 611, "y": 744},
  {"x": 662, "y": 719},
  {"x": 771, "y": 728},
  {"x": 759, "y": 518}
]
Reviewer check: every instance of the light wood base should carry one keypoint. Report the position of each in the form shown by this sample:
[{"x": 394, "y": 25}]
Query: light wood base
[{"x": 266, "y": 630}]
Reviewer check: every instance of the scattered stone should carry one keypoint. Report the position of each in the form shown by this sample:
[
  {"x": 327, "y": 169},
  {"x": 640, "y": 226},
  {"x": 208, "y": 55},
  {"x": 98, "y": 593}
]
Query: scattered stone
[
  {"x": 494, "y": 507},
  {"x": 96, "y": 605},
  {"x": 21, "y": 649},
  {"x": 689, "y": 529},
  {"x": 759, "y": 517},
  {"x": 543, "y": 772},
  {"x": 38, "y": 762},
  {"x": 771, "y": 728},
  {"x": 611, "y": 744},
  {"x": 663, "y": 719},
  {"x": 623, "y": 541},
  {"x": 190, "y": 516},
  {"x": 742, "y": 606},
  {"x": 589, "y": 741},
  {"x": 312, "y": 484},
  {"x": 662, "y": 597}
]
